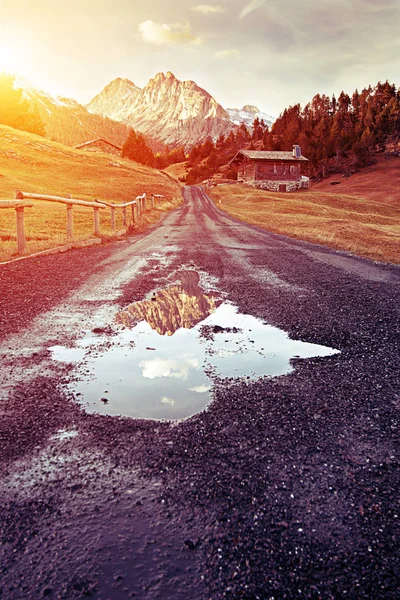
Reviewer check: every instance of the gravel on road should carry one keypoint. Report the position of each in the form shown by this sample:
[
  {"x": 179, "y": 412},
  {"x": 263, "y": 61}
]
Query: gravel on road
[{"x": 285, "y": 487}]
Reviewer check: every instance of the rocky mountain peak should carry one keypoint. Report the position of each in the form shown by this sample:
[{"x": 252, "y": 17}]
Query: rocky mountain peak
[
  {"x": 157, "y": 78},
  {"x": 120, "y": 84},
  {"x": 161, "y": 78},
  {"x": 176, "y": 112}
]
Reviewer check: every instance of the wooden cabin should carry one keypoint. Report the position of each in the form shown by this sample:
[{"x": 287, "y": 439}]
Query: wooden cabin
[
  {"x": 100, "y": 145},
  {"x": 272, "y": 170}
]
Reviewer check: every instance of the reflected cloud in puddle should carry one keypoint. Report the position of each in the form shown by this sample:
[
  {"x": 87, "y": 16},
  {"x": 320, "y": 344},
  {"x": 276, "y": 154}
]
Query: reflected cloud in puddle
[
  {"x": 162, "y": 364},
  {"x": 175, "y": 368}
]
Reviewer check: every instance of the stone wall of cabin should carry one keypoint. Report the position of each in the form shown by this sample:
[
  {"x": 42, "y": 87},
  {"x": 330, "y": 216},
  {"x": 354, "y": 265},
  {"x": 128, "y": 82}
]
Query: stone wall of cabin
[{"x": 274, "y": 186}]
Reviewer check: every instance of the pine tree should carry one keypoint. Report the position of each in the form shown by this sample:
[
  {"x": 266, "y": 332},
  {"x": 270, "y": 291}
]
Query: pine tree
[{"x": 135, "y": 148}]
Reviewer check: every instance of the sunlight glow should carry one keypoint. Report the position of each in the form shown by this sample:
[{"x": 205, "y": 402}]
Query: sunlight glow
[{"x": 8, "y": 58}]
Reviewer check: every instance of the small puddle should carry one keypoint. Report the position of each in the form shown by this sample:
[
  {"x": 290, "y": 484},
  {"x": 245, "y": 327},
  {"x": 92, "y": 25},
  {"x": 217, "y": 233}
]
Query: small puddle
[{"x": 161, "y": 365}]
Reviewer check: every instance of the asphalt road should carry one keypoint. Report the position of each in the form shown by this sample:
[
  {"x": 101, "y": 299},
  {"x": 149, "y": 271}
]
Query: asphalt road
[{"x": 286, "y": 487}]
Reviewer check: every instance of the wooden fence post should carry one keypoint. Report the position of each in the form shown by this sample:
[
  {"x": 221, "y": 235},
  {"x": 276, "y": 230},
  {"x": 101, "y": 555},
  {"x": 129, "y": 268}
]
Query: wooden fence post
[
  {"x": 96, "y": 219},
  {"x": 70, "y": 220},
  {"x": 70, "y": 223},
  {"x": 21, "y": 240},
  {"x": 124, "y": 216},
  {"x": 19, "y": 214},
  {"x": 113, "y": 218}
]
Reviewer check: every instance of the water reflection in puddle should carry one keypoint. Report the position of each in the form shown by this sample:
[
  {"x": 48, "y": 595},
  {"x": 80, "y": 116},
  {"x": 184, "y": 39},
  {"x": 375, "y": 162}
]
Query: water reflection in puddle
[
  {"x": 161, "y": 365},
  {"x": 176, "y": 307}
]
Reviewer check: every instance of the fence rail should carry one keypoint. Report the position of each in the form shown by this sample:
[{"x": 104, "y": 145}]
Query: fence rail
[{"x": 138, "y": 206}]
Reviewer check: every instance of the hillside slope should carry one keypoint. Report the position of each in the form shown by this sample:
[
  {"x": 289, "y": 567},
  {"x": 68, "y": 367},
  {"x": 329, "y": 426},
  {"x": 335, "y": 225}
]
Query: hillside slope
[
  {"x": 68, "y": 122},
  {"x": 379, "y": 182},
  {"x": 31, "y": 162},
  {"x": 34, "y": 164}
]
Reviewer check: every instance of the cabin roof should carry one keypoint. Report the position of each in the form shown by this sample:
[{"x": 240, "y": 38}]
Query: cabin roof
[
  {"x": 98, "y": 140},
  {"x": 269, "y": 155}
]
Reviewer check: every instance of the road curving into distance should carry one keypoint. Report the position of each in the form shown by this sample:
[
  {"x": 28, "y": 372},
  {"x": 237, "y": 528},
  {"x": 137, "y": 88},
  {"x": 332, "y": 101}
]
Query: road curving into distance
[{"x": 285, "y": 487}]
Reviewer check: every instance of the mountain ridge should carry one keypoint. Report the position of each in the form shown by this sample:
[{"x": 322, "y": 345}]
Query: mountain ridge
[
  {"x": 70, "y": 123},
  {"x": 166, "y": 111},
  {"x": 180, "y": 113},
  {"x": 248, "y": 114}
]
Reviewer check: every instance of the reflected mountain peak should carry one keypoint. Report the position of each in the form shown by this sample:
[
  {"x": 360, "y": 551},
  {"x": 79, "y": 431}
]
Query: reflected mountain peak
[{"x": 179, "y": 306}]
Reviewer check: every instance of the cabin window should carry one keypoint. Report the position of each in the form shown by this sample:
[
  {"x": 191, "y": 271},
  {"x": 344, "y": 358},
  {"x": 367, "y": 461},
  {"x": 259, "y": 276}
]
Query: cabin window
[
  {"x": 280, "y": 169},
  {"x": 293, "y": 169}
]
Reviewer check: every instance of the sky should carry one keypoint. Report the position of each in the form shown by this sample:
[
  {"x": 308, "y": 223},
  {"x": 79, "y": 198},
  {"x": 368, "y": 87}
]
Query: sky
[{"x": 268, "y": 53}]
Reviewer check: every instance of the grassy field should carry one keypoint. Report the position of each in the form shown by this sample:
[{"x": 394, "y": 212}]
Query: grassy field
[
  {"x": 178, "y": 170},
  {"x": 34, "y": 164},
  {"x": 365, "y": 222},
  {"x": 380, "y": 182}
]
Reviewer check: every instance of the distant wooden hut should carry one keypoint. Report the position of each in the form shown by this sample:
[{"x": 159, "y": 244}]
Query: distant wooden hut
[
  {"x": 100, "y": 145},
  {"x": 272, "y": 170}
]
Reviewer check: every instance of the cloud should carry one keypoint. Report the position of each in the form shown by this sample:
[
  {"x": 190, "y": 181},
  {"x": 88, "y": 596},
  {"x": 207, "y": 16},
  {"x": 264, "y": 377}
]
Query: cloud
[
  {"x": 249, "y": 8},
  {"x": 164, "y": 34},
  {"x": 229, "y": 53},
  {"x": 208, "y": 9},
  {"x": 166, "y": 400},
  {"x": 200, "y": 389},
  {"x": 162, "y": 367}
]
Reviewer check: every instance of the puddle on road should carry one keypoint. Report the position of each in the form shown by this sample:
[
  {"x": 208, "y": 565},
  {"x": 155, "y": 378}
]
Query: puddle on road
[{"x": 162, "y": 364}]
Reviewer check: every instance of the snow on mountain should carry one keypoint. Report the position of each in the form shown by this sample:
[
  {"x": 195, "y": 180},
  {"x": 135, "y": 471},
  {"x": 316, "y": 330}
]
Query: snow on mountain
[
  {"x": 247, "y": 114},
  {"x": 180, "y": 113}
]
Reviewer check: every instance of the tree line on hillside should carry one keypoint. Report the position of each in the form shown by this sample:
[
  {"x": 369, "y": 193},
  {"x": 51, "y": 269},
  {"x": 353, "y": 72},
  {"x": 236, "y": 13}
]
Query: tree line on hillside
[
  {"x": 205, "y": 158},
  {"x": 335, "y": 134},
  {"x": 338, "y": 128},
  {"x": 15, "y": 110},
  {"x": 136, "y": 148}
]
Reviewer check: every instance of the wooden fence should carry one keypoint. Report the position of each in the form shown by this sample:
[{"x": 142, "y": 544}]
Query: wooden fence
[{"x": 138, "y": 206}]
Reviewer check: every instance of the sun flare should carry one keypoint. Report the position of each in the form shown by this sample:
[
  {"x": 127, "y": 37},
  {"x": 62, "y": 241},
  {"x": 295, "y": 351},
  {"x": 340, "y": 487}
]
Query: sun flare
[{"x": 8, "y": 58}]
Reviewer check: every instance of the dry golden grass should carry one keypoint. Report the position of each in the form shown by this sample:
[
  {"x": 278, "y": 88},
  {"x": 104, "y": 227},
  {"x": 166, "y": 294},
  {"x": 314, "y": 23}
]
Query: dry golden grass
[
  {"x": 178, "y": 170},
  {"x": 34, "y": 164},
  {"x": 380, "y": 182},
  {"x": 360, "y": 225}
]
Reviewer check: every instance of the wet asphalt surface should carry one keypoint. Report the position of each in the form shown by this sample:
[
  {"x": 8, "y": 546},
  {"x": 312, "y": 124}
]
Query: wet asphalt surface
[{"x": 285, "y": 487}]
